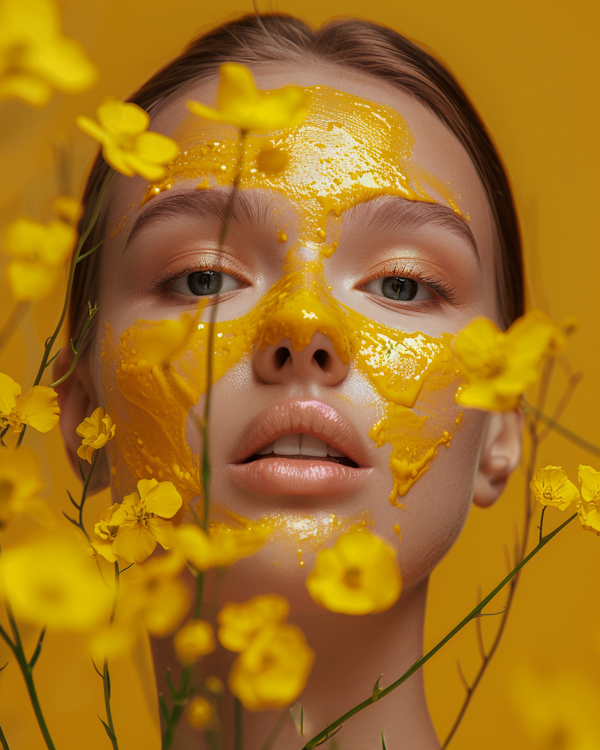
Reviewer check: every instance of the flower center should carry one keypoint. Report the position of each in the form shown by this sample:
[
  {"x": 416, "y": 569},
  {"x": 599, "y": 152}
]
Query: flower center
[
  {"x": 7, "y": 489},
  {"x": 352, "y": 577}
]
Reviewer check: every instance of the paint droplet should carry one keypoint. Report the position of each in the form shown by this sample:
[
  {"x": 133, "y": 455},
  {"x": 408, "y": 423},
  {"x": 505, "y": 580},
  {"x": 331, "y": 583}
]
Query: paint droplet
[
  {"x": 397, "y": 530},
  {"x": 281, "y": 236},
  {"x": 459, "y": 418},
  {"x": 321, "y": 233}
]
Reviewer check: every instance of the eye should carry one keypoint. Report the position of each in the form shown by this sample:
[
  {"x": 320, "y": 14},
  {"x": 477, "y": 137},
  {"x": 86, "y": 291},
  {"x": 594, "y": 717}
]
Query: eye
[
  {"x": 205, "y": 283},
  {"x": 399, "y": 289}
]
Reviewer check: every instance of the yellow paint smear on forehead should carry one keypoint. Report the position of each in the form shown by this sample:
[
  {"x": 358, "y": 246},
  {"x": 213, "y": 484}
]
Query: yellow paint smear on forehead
[
  {"x": 150, "y": 401},
  {"x": 347, "y": 150}
]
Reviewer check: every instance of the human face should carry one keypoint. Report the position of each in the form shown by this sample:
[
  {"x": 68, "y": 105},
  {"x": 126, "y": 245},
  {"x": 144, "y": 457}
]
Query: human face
[{"x": 344, "y": 278}]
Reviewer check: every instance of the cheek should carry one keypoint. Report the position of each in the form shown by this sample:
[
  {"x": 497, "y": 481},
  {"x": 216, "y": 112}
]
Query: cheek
[{"x": 436, "y": 509}]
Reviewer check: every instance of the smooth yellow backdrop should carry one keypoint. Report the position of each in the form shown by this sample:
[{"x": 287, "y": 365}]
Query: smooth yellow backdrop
[{"x": 531, "y": 69}]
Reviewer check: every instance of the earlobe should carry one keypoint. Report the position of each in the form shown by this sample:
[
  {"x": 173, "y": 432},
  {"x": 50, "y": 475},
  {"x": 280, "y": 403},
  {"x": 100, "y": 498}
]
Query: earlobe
[
  {"x": 500, "y": 456},
  {"x": 77, "y": 399}
]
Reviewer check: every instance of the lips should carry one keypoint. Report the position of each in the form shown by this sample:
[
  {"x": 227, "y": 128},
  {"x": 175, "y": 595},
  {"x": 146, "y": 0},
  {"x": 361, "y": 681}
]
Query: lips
[{"x": 300, "y": 448}]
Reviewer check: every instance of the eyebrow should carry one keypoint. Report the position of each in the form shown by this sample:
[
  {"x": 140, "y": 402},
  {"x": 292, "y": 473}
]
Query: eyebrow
[
  {"x": 248, "y": 207},
  {"x": 395, "y": 212}
]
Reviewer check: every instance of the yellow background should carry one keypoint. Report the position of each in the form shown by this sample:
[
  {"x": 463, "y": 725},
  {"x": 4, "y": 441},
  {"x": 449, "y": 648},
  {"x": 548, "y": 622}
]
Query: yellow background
[{"x": 531, "y": 68}]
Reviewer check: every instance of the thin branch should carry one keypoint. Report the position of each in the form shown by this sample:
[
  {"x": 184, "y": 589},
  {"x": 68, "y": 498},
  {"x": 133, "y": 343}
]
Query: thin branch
[
  {"x": 572, "y": 384},
  {"x": 479, "y": 631},
  {"x": 463, "y": 679},
  {"x": 3, "y": 740},
  {"x": 564, "y": 431}
]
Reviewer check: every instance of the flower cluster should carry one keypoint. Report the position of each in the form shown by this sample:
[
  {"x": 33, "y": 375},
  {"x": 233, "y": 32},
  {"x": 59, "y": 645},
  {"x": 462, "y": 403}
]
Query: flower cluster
[
  {"x": 274, "y": 659},
  {"x": 38, "y": 408},
  {"x": 96, "y": 430},
  {"x": 551, "y": 486}
]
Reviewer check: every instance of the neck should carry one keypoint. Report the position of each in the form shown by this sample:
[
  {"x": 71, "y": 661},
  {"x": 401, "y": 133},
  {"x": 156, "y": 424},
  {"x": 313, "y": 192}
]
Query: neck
[{"x": 351, "y": 653}]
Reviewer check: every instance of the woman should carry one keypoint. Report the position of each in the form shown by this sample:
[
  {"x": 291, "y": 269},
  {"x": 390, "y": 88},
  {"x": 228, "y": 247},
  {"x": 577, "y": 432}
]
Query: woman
[{"x": 385, "y": 215}]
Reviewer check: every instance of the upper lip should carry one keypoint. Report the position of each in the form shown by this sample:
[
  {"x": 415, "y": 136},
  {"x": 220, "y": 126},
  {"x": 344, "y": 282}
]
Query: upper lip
[{"x": 293, "y": 417}]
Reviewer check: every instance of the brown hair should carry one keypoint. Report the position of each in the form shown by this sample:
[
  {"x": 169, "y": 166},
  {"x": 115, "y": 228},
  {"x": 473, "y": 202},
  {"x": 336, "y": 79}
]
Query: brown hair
[{"x": 352, "y": 44}]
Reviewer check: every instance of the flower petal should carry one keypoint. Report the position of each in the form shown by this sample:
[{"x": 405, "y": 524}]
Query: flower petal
[
  {"x": 162, "y": 499},
  {"x": 134, "y": 543},
  {"x": 40, "y": 405},
  {"x": 9, "y": 391}
]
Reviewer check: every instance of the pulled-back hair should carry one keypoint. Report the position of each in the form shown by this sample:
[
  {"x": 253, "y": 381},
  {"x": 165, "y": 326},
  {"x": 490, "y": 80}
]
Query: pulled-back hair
[{"x": 353, "y": 45}]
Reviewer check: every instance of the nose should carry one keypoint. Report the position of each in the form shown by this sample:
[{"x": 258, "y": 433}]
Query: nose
[{"x": 316, "y": 363}]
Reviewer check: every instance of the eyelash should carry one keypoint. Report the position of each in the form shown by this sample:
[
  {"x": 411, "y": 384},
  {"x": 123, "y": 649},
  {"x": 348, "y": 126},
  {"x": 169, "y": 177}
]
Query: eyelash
[
  {"x": 407, "y": 271},
  {"x": 160, "y": 282}
]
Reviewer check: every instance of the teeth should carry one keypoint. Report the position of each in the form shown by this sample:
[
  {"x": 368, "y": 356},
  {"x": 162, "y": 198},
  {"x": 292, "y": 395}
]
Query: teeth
[
  {"x": 312, "y": 446},
  {"x": 266, "y": 450},
  {"x": 333, "y": 453},
  {"x": 289, "y": 445}
]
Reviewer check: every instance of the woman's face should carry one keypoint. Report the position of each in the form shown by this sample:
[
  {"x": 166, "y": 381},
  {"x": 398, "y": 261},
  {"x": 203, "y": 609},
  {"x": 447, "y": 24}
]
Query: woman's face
[{"x": 358, "y": 244}]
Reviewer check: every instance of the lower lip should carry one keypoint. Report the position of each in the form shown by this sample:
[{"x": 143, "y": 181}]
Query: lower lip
[{"x": 294, "y": 476}]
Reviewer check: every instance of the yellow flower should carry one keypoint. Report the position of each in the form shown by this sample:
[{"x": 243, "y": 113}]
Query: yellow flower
[
  {"x": 552, "y": 487},
  {"x": 96, "y": 431},
  {"x": 357, "y": 576},
  {"x": 164, "y": 340},
  {"x": 51, "y": 582},
  {"x": 193, "y": 641},
  {"x": 35, "y": 58},
  {"x": 106, "y": 533},
  {"x": 272, "y": 672},
  {"x": 68, "y": 209},
  {"x": 499, "y": 366},
  {"x": 199, "y": 712},
  {"x": 39, "y": 251},
  {"x": 127, "y": 145},
  {"x": 214, "y": 685},
  {"x": 136, "y": 525},
  {"x": 241, "y": 104},
  {"x": 240, "y": 623},
  {"x": 38, "y": 408},
  {"x": 589, "y": 506},
  {"x": 20, "y": 485},
  {"x": 221, "y": 547}
]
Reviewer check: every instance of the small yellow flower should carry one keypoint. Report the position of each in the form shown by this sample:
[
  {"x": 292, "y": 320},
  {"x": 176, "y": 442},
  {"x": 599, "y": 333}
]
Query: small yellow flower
[
  {"x": 357, "y": 576},
  {"x": 140, "y": 521},
  {"x": 38, "y": 252},
  {"x": 552, "y": 487},
  {"x": 193, "y": 641},
  {"x": 272, "y": 672},
  {"x": 38, "y": 408},
  {"x": 68, "y": 209},
  {"x": 106, "y": 533},
  {"x": 96, "y": 431},
  {"x": 214, "y": 685},
  {"x": 589, "y": 506},
  {"x": 221, "y": 547},
  {"x": 53, "y": 583},
  {"x": 35, "y": 58},
  {"x": 20, "y": 485},
  {"x": 499, "y": 366},
  {"x": 240, "y": 623},
  {"x": 199, "y": 712},
  {"x": 241, "y": 104},
  {"x": 165, "y": 339},
  {"x": 127, "y": 145}
]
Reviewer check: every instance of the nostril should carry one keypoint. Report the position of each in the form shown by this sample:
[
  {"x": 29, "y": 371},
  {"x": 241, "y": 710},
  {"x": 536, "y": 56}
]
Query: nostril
[
  {"x": 321, "y": 357},
  {"x": 281, "y": 356}
]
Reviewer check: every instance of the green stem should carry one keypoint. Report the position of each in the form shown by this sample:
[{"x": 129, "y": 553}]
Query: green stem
[
  {"x": 3, "y": 740},
  {"x": 82, "y": 503},
  {"x": 12, "y": 322},
  {"x": 211, "y": 339},
  {"x": 276, "y": 731},
  {"x": 564, "y": 431},
  {"x": 377, "y": 695},
  {"x": 237, "y": 724},
  {"x": 105, "y": 673},
  {"x": 77, "y": 350}
]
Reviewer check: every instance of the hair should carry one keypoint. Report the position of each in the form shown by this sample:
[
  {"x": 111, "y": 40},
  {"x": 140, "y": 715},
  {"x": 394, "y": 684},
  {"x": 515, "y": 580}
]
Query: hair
[{"x": 351, "y": 44}]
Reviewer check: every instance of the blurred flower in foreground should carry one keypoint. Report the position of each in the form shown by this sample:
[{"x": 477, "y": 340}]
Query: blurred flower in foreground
[
  {"x": 20, "y": 485},
  {"x": 35, "y": 58},
  {"x": 221, "y": 547},
  {"x": 193, "y": 641},
  {"x": 359, "y": 575},
  {"x": 38, "y": 252},
  {"x": 558, "y": 712},
  {"x": 136, "y": 525},
  {"x": 127, "y": 145},
  {"x": 51, "y": 582},
  {"x": 199, "y": 712},
  {"x": 499, "y": 366},
  {"x": 589, "y": 506},
  {"x": 272, "y": 672},
  {"x": 239, "y": 623},
  {"x": 38, "y": 408},
  {"x": 241, "y": 104},
  {"x": 162, "y": 341},
  {"x": 96, "y": 430},
  {"x": 551, "y": 486},
  {"x": 68, "y": 209}
]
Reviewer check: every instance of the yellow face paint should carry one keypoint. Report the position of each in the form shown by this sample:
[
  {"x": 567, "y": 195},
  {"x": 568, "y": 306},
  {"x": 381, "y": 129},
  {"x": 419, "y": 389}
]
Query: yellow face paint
[{"x": 346, "y": 151}]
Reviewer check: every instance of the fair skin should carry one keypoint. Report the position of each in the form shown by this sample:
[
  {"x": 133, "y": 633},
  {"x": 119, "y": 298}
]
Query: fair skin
[{"x": 351, "y": 651}]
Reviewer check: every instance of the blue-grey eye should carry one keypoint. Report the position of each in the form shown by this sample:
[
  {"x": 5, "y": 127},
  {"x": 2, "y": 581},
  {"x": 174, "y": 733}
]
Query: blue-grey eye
[
  {"x": 398, "y": 288},
  {"x": 205, "y": 283}
]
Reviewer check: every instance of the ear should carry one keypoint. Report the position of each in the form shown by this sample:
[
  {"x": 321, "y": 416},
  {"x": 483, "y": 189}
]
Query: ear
[
  {"x": 499, "y": 457},
  {"x": 77, "y": 399}
]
